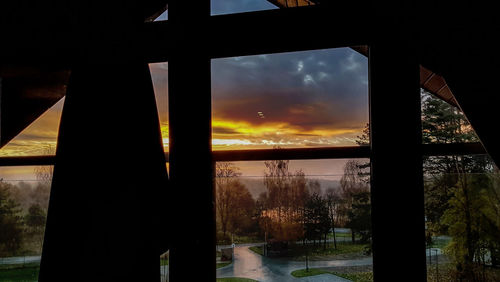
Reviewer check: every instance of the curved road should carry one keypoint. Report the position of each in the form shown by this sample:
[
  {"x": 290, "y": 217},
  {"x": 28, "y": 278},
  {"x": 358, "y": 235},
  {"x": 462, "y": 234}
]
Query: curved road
[{"x": 251, "y": 265}]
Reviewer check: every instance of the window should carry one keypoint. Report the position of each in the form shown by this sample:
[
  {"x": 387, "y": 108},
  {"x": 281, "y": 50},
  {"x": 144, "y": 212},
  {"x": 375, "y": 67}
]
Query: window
[
  {"x": 220, "y": 7},
  {"x": 462, "y": 200},
  {"x": 159, "y": 75},
  {"x": 290, "y": 100},
  {"x": 268, "y": 109},
  {"x": 24, "y": 197},
  {"x": 163, "y": 16},
  {"x": 462, "y": 217},
  {"x": 285, "y": 215},
  {"x": 293, "y": 211},
  {"x": 39, "y": 138}
]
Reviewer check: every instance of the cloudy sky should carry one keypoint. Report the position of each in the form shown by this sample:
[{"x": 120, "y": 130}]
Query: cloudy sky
[
  {"x": 300, "y": 99},
  {"x": 219, "y": 7}
]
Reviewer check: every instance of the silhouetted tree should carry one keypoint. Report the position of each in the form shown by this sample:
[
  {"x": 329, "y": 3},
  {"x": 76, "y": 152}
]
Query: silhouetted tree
[
  {"x": 226, "y": 174},
  {"x": 333, "y": 202},
  {"x": 316, "y": 218},
  {"x": 360, "y": 216},
  {"x": 10, "y": 221},
  {"x": 352, "y": 184},
  {"x": 284, "y": 201},
  {"x": 234, "y": 203},
  {"x": 35, "y": 223},
  {"x": 243, "y": 208}
]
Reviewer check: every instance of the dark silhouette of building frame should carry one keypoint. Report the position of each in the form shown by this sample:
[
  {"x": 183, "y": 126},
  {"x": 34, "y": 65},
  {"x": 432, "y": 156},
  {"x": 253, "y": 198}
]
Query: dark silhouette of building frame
[{"x": 89, "y": 239}]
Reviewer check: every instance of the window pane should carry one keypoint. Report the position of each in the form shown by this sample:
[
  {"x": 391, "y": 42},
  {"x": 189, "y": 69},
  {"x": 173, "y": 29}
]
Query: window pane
[
  {"x": 24, "y": 197},
  {"x": 462, "y": 205},
  {"x": 162, "y": 17},
  {"x": 301, "y": 99},
  {"x": 164, "y": 262},
  {"x": 159, "y": 75},
  {"x": 273, "y": 216},
  {"x": 219, "y": 7},
  {"x": 39, "y": 138}
]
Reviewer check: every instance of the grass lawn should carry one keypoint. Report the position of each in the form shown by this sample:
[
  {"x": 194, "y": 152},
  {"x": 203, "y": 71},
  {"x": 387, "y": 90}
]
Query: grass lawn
[
  {"x": 358, "y": 277},
  {"x": 235, "y": 279},
  {"x": 319, "y": 253},
  {"x": 330, "y": 250},
  {"x": 257, "y": 250},
  {"x": 241, "y": 240},
  {"x": 17, "y": 273},
  {"x": 312, "y": 272},
  {"x": 440, "y": 243},
  {"x": 163, "y": 262},
  {"x": 222, "y": 264},
  {"x": 298, "y": 251},
  {"x": 446, "y": 272},
  {"x": 246, "y": 239},
  {"x": 340, "y": 235}
]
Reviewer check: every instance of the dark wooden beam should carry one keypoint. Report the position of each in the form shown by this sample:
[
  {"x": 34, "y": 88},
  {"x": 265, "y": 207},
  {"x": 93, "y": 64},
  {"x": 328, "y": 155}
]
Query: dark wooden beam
[
  {"x": 285, "y": 154},
  {"x": 271, "y": 31},
  {"x": 192, "y": 199},
  {"x": 27, "y": 161},
  {"x": 396, "y": 161},
  {"x": 292, "y": 154},
  {"x": 112, "y": 213}
]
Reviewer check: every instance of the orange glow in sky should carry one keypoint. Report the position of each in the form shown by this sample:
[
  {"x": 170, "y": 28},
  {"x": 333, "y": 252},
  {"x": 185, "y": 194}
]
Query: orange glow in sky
[{"x": 291, "y": 100}]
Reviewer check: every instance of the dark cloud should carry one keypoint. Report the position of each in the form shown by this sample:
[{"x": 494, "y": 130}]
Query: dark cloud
[
  {"x": 223, "y": 130},
  {"x": 303, "y": 134},
  {"x": 324, "y": 90},
  {"x": 312, "y": 89}
]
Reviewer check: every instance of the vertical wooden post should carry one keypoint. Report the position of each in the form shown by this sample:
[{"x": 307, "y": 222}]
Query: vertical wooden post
[
  {"x": 191, "y": 168},
  {"x": 105, "y": 203},
  {"x": 396, "y": 160}
]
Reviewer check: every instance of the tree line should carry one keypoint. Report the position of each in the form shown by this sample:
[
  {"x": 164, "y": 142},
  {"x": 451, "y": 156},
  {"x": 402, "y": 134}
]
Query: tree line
[
  {"x": 23, "y": 211},
  {"x": 462, "y": 198},
  {"x": 293, "y": 208},
  {"x": 462, "y": 193}
]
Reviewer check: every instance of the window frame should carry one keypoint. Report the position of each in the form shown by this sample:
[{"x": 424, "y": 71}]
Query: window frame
[{"x": 253, "y": 30}]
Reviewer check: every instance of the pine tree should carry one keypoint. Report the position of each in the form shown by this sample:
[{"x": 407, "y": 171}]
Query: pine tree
[
  {"x": 10, "y": 221},
  {"x": 455, "y": 187}
]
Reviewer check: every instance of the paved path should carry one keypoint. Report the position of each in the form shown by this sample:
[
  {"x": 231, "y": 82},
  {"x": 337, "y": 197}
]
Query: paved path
[
  {"x": 251, "y": 265},
  {"x": 19, "y": 260}
]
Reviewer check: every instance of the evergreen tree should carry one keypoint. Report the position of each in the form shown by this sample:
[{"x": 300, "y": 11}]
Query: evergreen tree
[
  {"x": 316, "y": 218},
  {"x": 455, "y": 187},
  {"x": 35, "y": 223},
  {"x": 10, "y": 222}
]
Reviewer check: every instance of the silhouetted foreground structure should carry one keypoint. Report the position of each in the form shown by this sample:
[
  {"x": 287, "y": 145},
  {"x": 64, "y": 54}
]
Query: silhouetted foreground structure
[{"x": 107, "y": 218}]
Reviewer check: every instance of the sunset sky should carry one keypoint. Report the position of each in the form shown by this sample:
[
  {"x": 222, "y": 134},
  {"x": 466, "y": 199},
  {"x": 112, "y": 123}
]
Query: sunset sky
[{"x": 301, "y": 99}]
